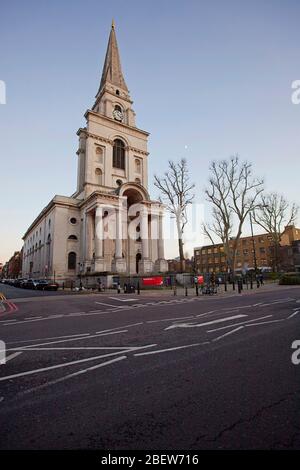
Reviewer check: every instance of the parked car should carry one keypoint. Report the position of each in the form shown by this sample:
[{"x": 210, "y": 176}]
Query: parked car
[
  {"x": 51, "y": 286},
  {"x": 31, "y": 284},
  {"x": 18, "y": 282},
  {"x": 44, "y": 284}
]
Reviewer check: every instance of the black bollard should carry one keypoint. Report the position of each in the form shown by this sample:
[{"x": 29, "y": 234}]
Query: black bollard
[
  {"x": 197, "y": 290},
  {"x": 233, "y": 285},
  {"x": 175, "y": 290},
  {"x": 186, "y": 292},
  {"x": 138, "y": 288}
]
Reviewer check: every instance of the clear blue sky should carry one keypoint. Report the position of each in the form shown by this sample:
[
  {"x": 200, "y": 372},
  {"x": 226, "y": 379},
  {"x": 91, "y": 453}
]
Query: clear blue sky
[{"x": 214, "y": 76}]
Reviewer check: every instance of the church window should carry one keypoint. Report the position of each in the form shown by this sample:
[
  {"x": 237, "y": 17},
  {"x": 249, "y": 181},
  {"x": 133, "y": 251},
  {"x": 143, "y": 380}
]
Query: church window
[
  {"x": 98, "y": 174},
  {"x": 72, "y": 237},
  {"x": 117, "y": 92},
  {"x": 72, "y": 260},
  {"x": 73, "y": 220},
  {"x": 99, "y": 155},
  {"x": 119, "y": 154}
]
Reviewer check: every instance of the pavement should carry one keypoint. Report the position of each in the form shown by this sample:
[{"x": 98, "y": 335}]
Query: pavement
[{"x": 156, "y": 372}]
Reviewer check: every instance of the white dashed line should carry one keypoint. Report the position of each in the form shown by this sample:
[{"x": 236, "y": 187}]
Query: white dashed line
[
  {"x": 171, "y": 349},
  {"x": 228, "y": 333}
]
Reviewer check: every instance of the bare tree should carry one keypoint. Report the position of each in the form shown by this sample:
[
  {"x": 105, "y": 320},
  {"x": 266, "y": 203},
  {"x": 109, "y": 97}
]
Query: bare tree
[
  {"x": 176, "y": 194},
  {"x": 233, "y": 193},
  {"x": 273, "y": 214}
]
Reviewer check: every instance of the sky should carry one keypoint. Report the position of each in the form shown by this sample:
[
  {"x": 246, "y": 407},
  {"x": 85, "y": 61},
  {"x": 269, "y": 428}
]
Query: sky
[{"x": 209, "y": 79}]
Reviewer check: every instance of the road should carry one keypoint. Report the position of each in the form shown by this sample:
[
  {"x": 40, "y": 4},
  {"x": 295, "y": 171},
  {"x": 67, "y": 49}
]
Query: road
[{"x": 108, "y": 371}]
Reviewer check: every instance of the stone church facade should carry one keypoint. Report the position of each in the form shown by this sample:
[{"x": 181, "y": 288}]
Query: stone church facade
[{"x": 109, "y": 225}]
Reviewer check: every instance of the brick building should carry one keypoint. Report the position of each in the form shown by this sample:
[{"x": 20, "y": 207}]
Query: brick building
[{"x": 212, "y": 258}]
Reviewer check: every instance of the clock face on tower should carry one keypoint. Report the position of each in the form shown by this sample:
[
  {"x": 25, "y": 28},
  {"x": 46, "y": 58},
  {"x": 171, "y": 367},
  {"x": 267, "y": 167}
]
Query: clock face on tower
[{"x": 118, "y": 114}]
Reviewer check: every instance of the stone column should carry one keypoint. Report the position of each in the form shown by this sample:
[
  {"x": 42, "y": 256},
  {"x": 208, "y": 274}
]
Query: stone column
[
  {"x": 160, "y": 241},
  {"x": 145, "y": 234},
  {"x": 145, "y": 264},
  {"x": 119, "y": 235},
  {"x": 99, "y": 232},
  {"x": 99, "y": 239},
  {"x": 119, "y": 263},
  {"x": 161, "y": 265}
]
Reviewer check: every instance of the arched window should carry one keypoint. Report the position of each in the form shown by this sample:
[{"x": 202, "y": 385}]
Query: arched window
[
  {"x": 72, "y": 237},
  {"x": 72, "y": 260},
  {"x": 98, "y": 174},
  {"x": 119, "y": 154}
]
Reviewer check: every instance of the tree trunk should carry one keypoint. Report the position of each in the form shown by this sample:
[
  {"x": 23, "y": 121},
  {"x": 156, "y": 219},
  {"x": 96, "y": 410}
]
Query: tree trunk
[{"x": 180, "y": 245}]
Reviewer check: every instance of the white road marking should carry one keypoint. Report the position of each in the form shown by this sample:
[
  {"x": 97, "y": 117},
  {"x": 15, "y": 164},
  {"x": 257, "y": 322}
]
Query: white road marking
[
  {"x": 117, "y": 328},
  {"x": 109, "y": 305},
  {"x": 51, "y": 337},
  {"x": 266, "y": 322},
  {"x": 58, "y": 366},
  {"x": 119, "y": 348},
  {"x": 172, "y": 349},
  {"x": 6, "y": 321},
  {"x": 193, "y": 325},
  {"x": 12, "y": 356},
  {"x": 76, "y": 339},
  {"x": 293, "y": 314},
  {"x": 206, "y": 313},
  {"x": 122, "y": 300},
  {"x": 170, "y": 319},
  {"x": 32, "y": 318},
  {"x": 241, "y": 323},
  {"x": 228, "y": 333},
  {"x": 74, "y": 374}
]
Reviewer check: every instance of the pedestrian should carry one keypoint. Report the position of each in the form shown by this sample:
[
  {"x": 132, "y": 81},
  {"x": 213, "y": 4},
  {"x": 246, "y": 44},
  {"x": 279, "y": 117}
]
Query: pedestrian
[{"x": 261, "y": 278}]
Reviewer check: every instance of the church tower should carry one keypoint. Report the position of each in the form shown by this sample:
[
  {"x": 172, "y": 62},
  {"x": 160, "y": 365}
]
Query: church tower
[{"x": 112, "y": 150}]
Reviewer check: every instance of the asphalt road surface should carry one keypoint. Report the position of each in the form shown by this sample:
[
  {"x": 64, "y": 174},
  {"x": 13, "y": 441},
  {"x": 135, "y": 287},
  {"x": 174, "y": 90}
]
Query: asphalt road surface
[{"x": 108, "y": 371}]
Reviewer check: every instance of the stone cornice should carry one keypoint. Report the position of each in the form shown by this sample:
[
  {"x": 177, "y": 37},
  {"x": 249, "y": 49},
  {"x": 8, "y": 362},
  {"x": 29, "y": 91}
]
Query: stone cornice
[
  {"x": 107, "y": 141},
  {"x": 121, "y": 124}
]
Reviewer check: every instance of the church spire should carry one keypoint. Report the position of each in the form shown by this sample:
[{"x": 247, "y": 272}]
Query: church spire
[{"x": 112, "y": 70}]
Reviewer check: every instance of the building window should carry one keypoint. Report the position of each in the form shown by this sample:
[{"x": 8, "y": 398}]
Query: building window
[
  {"x": 98, "y": 174},
  {"x": 118, "y": 92},
  {"x": 119, "y": 183},
  {"x": 73, "y": 220},
  {"x": 72, "y": 237},
  {"x": 72, "y": 260},
  {"x": 119, "y": 154}
]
